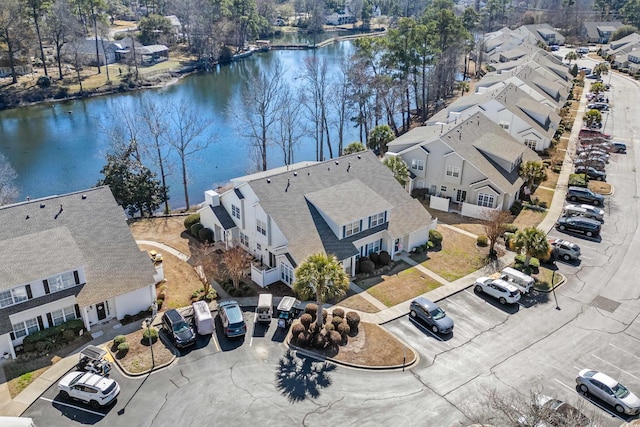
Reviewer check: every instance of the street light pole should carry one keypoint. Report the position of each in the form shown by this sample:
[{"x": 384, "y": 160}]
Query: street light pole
[{"x": 553, "y": 286}]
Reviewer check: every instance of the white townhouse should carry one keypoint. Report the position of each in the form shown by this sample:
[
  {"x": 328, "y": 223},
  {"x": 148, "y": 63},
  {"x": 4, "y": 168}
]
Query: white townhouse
[
  {"x": 69, "y": 257},
  {"x": 348, "y": 207},
  {"x": 472, "y": 167}
]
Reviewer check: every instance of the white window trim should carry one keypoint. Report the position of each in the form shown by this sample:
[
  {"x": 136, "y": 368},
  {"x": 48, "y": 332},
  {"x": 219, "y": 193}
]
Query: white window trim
[
  {"x": 453, "y": 171},
  {"x": 484, "y": 197},
  {"x": 23, "y": 328},
  {"x": 352, "y": 228}
]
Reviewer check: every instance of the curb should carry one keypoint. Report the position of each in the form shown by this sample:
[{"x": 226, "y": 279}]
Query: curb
[
  {"x": 126, "y": 373},
  {"x": 547, "y": 291}
]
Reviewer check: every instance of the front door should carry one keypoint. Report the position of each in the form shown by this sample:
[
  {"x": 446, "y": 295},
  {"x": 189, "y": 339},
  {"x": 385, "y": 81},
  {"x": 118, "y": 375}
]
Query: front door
[
  {"x": 102, "y": 313},
  {"x": 461, "y": 196}
]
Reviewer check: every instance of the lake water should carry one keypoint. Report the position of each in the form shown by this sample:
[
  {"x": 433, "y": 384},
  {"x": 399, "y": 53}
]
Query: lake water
[{"x": 59, "y": 148}]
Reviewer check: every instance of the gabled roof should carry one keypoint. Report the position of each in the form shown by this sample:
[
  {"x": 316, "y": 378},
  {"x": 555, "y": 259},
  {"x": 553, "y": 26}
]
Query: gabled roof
[
  {"x": 528, "y": 109},
  {"x": 93, "y": 234},
  {"x": 615, "y": 46},
  {"x": 284, "y": 197},
  {"x": 593, "y": 29},
  {"x": 223, "y": 217}
]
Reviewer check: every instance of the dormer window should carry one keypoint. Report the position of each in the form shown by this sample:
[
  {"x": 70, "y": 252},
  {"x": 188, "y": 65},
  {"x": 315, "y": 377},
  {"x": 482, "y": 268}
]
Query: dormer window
[{"x": 352, "y": 228}]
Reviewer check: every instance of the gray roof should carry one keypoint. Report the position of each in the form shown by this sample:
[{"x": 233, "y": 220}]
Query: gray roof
[
  {"x": 593, "y": 28},
  {"x": 513, "y": 54},
  {"x": 223, "y": 216},
  {"x": 284, "y": 198},
  {"x": 91, "y": 219},
  {"x": 362, "y": 201},
  {"x": 522, "y": 104},
  {"x": 154, "y": 48}
]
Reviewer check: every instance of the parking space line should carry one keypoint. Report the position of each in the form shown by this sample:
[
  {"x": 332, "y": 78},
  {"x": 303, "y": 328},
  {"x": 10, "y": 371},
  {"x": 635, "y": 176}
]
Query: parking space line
[
  {"x": 620, "y": 369},
  {"x": 593, "y": 402},
  {"x": 623, "y": 350},
  {"x": 425, "y": 329},
  {"x": 563, "y": 384},
  {"x": 74, "y": 407},
  {"x": 253, "y": 328}
]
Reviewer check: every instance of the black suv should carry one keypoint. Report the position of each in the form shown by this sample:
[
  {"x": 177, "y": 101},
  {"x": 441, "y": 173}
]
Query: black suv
[
  {"x": 588, "y": 227},
  {"x": 580, "y": 194},
  {"x": 178, "y": 328}
]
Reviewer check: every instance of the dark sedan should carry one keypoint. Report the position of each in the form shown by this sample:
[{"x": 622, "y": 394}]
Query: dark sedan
[{"x": 586, "y": 226}]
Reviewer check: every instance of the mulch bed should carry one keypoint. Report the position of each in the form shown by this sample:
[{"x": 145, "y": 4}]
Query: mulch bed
[{"x": 138, "y": 359}]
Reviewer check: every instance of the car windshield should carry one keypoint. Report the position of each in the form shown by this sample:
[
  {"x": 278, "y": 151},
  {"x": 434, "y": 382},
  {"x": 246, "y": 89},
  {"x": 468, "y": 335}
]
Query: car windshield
[
  {"x": 180, "y": 327},
  {"x": 438, "y": 313},
  {"x": 620, "y": 391}
]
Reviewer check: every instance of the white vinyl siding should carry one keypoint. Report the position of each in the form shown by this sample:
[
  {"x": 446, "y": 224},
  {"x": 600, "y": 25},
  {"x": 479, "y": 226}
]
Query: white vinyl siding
[
  {"x": 453, "y": 171},
  {"x": 235, "y": 211},
  {"x": 261, "y": 226}
]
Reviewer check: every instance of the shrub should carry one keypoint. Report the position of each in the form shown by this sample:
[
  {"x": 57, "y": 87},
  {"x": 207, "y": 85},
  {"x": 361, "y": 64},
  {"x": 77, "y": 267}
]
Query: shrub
[
  {"x": 436, "y": 237},
  {"x": 533, "y": 262},
  {"x": 119, "y": 339},
  {"x": 159, "y": 302},
  {"x": 206, "y": 235},
  {"x": 195, "y": 229},
  {"x": 385, "y": 258},
  {"x": 319, "y": 341},
  {"x": 68, "y": 335},
  {"x": 213, "y": 294},
  {"x": 330, "y": 327},
  {"x": 419, "y": 193},
  {"x": 325, "y": 315},
  {"x": 353, "y": 320},
  {"x": 367, "y": 266},
  {"x": 44, "y": 81},
  {"x": 191, "y": 220},
  {"x": 338, "y": 312},
  {"x": 195, "y": 294},
  {"x": 516, "y": 207},
  {"x": 334, "y": 338},
  {"x": 578, "y": 179},
  {"x": 123, "y": 348},
  {"x": 336, "y": 320},
  {"x": 306, "y": 320},
  {"x": 302, "y": 339},
  {"x": 150, "y": 332},
  {"x": 312, "y": 309},
  {"x": 53, "y": 334},
  {"x": 344, "y": 328},
  {"x": 510, "y": 228},
  {"x": 373, "y": 256},
  {"x": 482, "y": 241},
  {"x": 62, "y": 92},
  {"x": 297, "y": 329}
]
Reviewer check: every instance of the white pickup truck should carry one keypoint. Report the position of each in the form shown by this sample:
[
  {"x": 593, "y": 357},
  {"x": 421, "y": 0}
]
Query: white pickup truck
[{"x": 523, "y": 282}]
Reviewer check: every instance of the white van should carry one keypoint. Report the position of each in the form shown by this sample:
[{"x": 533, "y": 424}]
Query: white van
[
  {"x": 16, "y": 422},
  {"x": 522, "y": 281},
  {"x": 264, "y": 311},
  {"x": 202, "y": 319}
]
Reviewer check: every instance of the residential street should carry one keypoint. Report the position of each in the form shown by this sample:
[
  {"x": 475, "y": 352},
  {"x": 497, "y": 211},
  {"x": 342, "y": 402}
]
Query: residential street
[{"x": 532, "y": 345}]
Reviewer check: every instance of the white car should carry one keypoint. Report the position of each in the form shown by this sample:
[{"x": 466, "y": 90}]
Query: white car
[
  {"x": 505, "y": 292},
  {"x": 609, "y": 390},
  {"x": 87, "y": 387}
]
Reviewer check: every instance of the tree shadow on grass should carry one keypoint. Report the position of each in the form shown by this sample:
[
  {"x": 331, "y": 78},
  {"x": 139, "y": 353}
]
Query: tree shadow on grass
[{"x": 300, "y": 378}]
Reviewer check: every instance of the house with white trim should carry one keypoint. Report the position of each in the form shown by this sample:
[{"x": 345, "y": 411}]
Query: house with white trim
[
  {"x": 69, "y": 257},
  {"x": 472, "y": 167},
  {"x": 348, "y": 207}
]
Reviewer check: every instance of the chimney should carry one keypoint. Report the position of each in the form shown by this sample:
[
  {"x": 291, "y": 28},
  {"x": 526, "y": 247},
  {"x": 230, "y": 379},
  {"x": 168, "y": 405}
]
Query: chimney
[{"x": 212, "y": 198}]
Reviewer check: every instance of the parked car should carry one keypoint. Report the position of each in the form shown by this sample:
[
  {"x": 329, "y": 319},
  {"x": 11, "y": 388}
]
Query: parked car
[
  {"x": 575, "y": 210},
  {"x": 601, "y": 106},
  {"x": 609, "y": 390},
  {"x": 582, "y": 50},
  {"x": 523, "y": 282},
  {"x": 592, "y": 133},
  {"x": 90, "y": 388},
  {"x": 430, "y": 313},
  {"x": 580, "y": 194},
  {"x": 565, "y": 250},
  {"x": 592, "y": 173},
  {"x": 586, "y": 70},
  {"x": 588, "y": 227},
  {"x": 231, "y": 318},
  {"x": 593, "y": 150},
  {"x": 588, "y": 155},
  {"x": 594, "y": 163},
  {"x": 593, "y": 212},
  {"x": 505, "y": 292},
  {"x": 178, "y": 329},
  {"x": 594, "y": 77},
  {"x": 559, "y": 413},
  {"x": 595, "y": 125},
  {"x": 554, "y": 47},
  {"x": 618, "y": 147}
]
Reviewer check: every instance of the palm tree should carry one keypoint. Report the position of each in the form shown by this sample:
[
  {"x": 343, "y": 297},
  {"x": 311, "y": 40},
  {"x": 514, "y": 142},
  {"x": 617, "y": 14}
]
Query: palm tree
[
  {"x": 571, "y": 56},
  {"x": 532, "y": 242},
  {"x": 399, "y": 169},
  {"x": 464, "y": 87},
  {"x": 533, "y": 173},
  {"x": 322, "y": 276},
  {"x": 379, "y": 137}
]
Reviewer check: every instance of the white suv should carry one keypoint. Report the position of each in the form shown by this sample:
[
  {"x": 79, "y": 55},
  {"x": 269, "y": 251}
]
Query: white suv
[
  {"x": 88, "y": 387},
  {"x": 505, "y": 292}
]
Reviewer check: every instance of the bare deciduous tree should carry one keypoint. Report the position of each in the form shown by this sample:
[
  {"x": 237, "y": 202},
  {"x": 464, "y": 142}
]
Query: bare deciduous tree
[
  {"x": 8, "y": 191},
  {"x": 495, "y": 223},
  {"x": 290, "y": 125},
  {"x": 187, "y": 136},
  {"x": 154, "y": 115},
  {"x": 236, "y": 261},
  {"x": 315, "y": 74},
  {"x": 206, "y": 265}
]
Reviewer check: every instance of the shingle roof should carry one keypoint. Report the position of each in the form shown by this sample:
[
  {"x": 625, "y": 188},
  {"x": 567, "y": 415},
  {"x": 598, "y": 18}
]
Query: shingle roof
[
  {"x": 223, "y": 216},
  {"x": 114, "y": 264},
  {"x": 303, "y": 226},
  {"x": 592, "y": 28}
]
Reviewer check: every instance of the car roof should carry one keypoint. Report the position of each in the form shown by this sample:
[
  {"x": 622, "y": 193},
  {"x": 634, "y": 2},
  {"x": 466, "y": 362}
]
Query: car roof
[
  {"x": 604, "y": 379},
  {"x": 426, "y": 303},
  {"x": 508, "y": 286},
  {"x": 173, "y": 315},
  {"x": 232, "y": 309}
]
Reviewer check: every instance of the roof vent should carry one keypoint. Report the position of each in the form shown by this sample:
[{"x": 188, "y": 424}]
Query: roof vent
[
  {"x": 84, "y": 197},
  {"x": 28, "y": 198},
  {"x": 268, "y": 181},
  {"x": 42, "y": 205},
  {"x": 27, "y": 217},
  {"x": 337, "y": 163},
  {"x": 295, "y": 174},
  {"x": 329, "y": 168},
  {"x": 359, "y": 156},
  {"x": 308, "y": 173}
]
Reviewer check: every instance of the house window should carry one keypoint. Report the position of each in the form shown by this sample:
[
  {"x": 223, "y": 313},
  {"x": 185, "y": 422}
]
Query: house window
[
  {"x": 244, "y": 239},
  {"x": 25, "y": 328},
  {"x": 64, "y": 315},
  {"x": 504, "y": 125},
  {"x": 235, "y": 211},
  {"x": 417, "y": 164},
  {"x": 372, "y": 247},
  {"x": 376, "y": 220},
  {"x": 258, "y": 247},
  {"x": 286, "y": 273},
  {"x": 453, "y": 171},
  {"x": 531, "y": 143},
  {"x": 485, "y": 200},
  {"x": 13, "y": 296},
  {"x": 261, "y": 226},
  {"x": 443, "y": 189},
  {"x": 351, "y": 229},
  {"x": 61, "y": 281}
]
